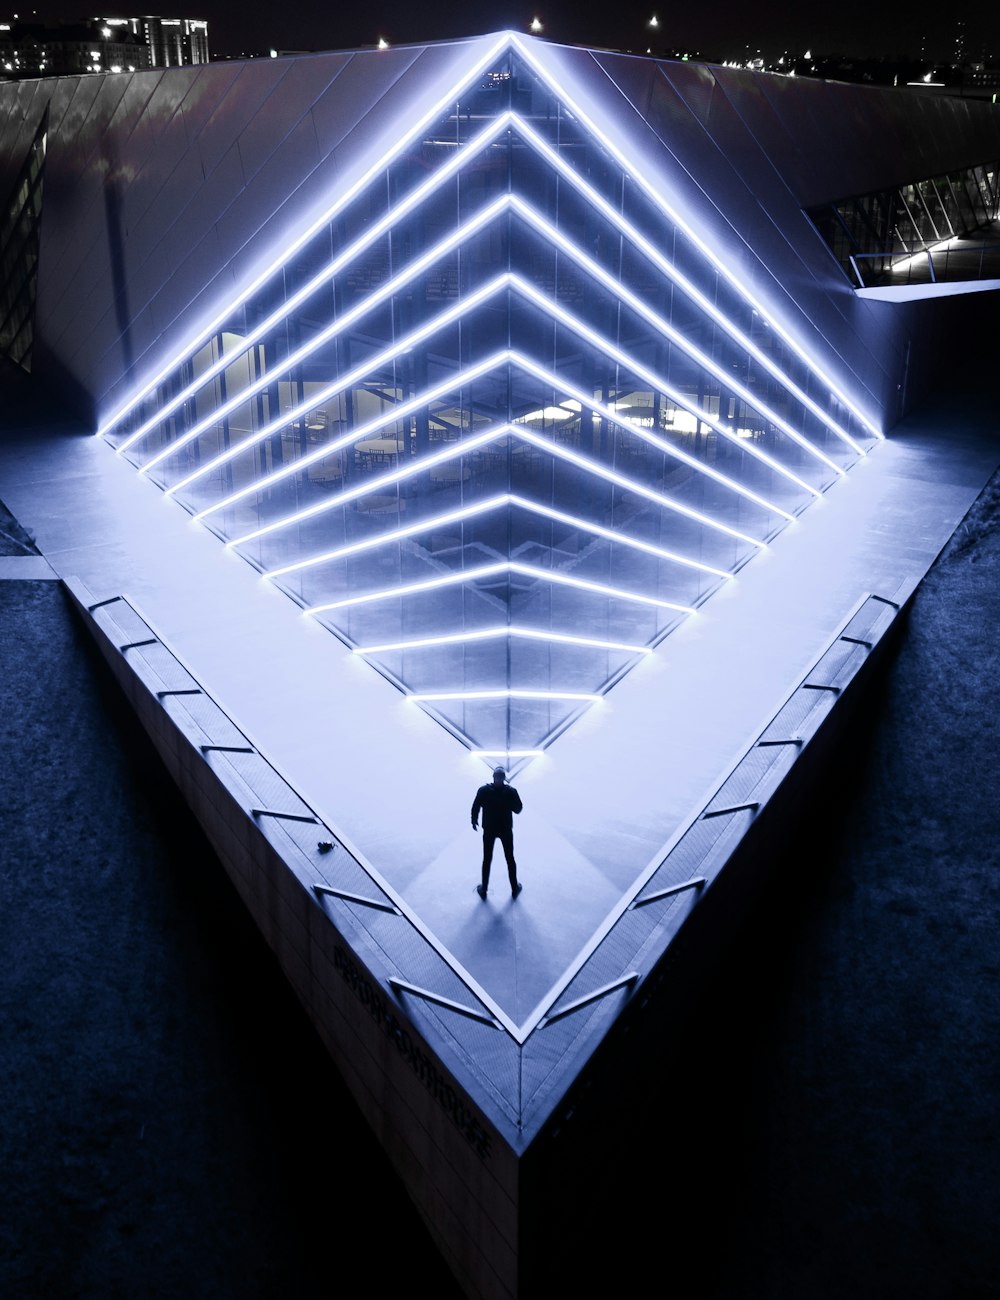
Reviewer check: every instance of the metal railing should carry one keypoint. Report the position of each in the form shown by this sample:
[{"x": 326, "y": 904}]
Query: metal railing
[{"x": 938, "y": 263}]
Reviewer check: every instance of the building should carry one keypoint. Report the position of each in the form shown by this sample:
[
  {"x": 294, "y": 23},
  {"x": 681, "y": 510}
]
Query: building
[
  {"x": 445, "y": 395},
  {"x": 63, "y": 48}
]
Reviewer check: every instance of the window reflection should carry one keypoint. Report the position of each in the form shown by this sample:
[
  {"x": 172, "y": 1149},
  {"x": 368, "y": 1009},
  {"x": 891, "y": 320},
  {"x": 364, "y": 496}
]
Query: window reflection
[{"x": 499, "y": 426}]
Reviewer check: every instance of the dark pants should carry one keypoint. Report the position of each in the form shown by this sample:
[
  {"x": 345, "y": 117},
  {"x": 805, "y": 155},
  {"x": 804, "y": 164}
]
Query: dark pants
[{"x": 506, "y": 839}]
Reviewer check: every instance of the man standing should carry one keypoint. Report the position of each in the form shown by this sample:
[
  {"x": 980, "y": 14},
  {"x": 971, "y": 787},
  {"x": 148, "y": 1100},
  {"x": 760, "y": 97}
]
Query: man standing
[{"x": 497, "y": 802}]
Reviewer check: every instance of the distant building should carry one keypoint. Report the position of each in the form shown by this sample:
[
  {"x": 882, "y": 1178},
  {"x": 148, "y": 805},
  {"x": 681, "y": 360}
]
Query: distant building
[{"x": 57, "y": 47}]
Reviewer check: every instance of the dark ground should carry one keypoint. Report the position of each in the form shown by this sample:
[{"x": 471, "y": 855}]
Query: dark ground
[{"x": 171, "y": 1127}]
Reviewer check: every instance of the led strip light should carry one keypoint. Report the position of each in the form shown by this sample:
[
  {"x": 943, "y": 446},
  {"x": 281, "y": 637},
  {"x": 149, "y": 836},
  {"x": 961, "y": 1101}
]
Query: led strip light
[
  {"x": 336, "y": 327},
  {"x": 462, "y": 576},
  {"x": 482, "y": 507},
  {"x": 495, "y": 633},
  {"x": 510, "y": 119},
  {"x": 424, "y": 399},
  {"x": 663, "y": 327},
  {"x": 397, "y": 413},
  {"x": 657, "y": 385},
  {"x": 459, "y": 449},
  {"x": 503, "y": 693},
  {"x": 441, "y": 106},
  {"x": 363, "y": 371},
  {"x": 656, "y": 196},
  {"x": 355, "y": 376},
  {"x": 470, "y": 228}
]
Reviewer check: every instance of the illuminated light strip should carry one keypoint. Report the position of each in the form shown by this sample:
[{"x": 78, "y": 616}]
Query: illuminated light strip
[
  {"x": 557, "y": 383},
  {"x": 493, "y": 633},
  {"x": 393, "y": 416},
  {"x": 599, "y": 588},
  {"x": 458, "y": 449},
  {"x": 454, "y": 451},
  {"x": 596, "y": 272},
  {"x": 414, "y": 588},
  {"x": 658, "y": 384},
  {"x": 357, "y": 375},
  {"x": 494, "y": 503},
  {"x": 678, "y": 277},
  {"x": 442, "y": 105},
  {"x": 387, "y": 290},
  {"x": 511, "y": 694},
  {"x": 510, "y": 753},
  {"x": 345, "y": 258},
  {"x": 633, "y": 485},
  {"x": 461, "y": 576},
  {"x": 612, "y": 535},
  {"x": 697, "y": 466},
  {"x": 515, "y": 282},
  {"x": 397, "y": 535},
  {"x": 508, "y": 40},
  {"x": 656, "y": 196}
]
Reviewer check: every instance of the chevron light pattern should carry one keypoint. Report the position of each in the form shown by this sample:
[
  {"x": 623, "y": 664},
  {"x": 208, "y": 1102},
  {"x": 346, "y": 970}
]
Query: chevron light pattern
[{"x": 500, "y": 420}]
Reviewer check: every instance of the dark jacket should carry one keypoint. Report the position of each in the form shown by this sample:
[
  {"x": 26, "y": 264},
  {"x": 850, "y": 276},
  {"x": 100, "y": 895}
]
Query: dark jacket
[{"x": 497, "y": 803}]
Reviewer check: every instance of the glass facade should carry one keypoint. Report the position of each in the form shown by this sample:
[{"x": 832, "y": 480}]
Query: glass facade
[
  {"x": 19, "y": 254},
  {"x": 871, "y": 234},
  {"x": 500, "y": 424}
]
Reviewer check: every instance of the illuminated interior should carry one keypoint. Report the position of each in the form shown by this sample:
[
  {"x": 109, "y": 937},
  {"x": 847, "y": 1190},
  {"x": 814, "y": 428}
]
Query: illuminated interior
[{"x": 500, "y": 422}]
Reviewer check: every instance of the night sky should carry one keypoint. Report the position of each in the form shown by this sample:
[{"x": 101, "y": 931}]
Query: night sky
[{"x": 712, "y": 31}]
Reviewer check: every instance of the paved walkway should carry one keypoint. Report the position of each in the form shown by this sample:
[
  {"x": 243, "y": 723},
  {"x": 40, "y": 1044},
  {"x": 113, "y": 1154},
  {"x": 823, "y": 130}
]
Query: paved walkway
[{"x": 610, "y": 796}]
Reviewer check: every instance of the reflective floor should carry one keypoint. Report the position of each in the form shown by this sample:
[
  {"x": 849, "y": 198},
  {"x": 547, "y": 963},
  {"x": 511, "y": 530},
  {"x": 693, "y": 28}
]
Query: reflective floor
[{"x": 611, "y": 793}]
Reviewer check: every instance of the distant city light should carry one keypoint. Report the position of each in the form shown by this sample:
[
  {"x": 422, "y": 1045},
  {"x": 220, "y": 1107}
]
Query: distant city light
[{"x": 536, "y": 24}]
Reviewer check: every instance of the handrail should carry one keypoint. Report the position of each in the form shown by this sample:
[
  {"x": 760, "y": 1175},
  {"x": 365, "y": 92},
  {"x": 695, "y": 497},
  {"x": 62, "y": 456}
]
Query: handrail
[{"x": 930, "y": 264}]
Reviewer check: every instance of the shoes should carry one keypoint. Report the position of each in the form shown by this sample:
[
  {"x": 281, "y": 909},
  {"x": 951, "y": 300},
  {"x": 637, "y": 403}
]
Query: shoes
[
  {"x": 516, "y": 889},
  {"x": 481, "y": 891}
]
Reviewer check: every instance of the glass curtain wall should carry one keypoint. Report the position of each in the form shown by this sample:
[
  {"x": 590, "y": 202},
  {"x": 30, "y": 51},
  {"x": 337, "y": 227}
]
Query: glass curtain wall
[
  {"x": 499, "y": 425},
  {"x": 871, "y": 234}
]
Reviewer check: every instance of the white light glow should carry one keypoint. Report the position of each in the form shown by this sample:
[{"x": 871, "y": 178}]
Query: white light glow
[
  {"x": 906, "y": 263},
  {"x": 454, "y": 451},
  {"x": 654, "y": 255},
  {"x": 440, "y": 322},
  {"x": 615, "y": 535},
  {"x": 532, "y": 572},
  {"x": 495, "y": 633},
  {"x": 525, "y": 435},
  {"x": 435, "y": 697},
  {"x": 363, "y": 431},
  {"x": 372, "y": 233},
  {"x": 457, "y": 578},
  {"x": 388, "y": 539},
  {"x": 353, "y": 377},
  {"x": 609, "y": 211},
  {"x": 481, "y": 507},
  {"x": 676, "y": 396},
  {"x": 442, "y": 105},
  {"x": 702, "y": 359},
  {"x": 510, "y": 753},
  {"x": 668, "y": 449}
]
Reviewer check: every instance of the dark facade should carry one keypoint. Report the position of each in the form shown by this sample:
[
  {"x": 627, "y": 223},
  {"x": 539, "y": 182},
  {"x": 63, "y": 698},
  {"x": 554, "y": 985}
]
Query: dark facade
[{"x": 501, "y": 362}]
